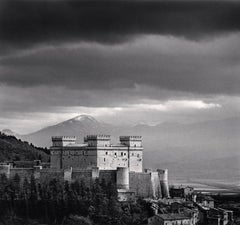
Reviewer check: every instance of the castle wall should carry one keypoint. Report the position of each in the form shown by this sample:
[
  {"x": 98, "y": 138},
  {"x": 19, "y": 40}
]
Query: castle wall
[
  {"x": 82, "y": 175},
  {"x": 163, "y": 174},
  {"x": 49, "y": 174},
  {"x": 108, "y": 175},
  {"x": 123, "y": 178},
  {"x": 135, "y": 160},
  {"x": 56, "y": 159},
  {"x": 110, "y": 159},
  {"x": 141, "y": 184},
  {"x": 80, "y": 158},
  {"x": 156, "y": 186},
  {"x": 145, "y": 184},
  {"x": 89, "y": 175},
  {"x": 22, "y": 172}
]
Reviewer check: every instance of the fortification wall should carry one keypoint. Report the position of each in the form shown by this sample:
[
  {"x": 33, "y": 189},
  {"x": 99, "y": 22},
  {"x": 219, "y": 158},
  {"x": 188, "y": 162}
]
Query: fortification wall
[
  {"x": 82, "y": 175},
  {"x": 141, "y": 184},
  {"x": 156, "y": 185},
  {"x": 49, "y": 174},
  {"x": 135, "y": 160},
  {"x": 79, "y": 159},
  {"x": 22, "y": 172},
  {"x": 163, "y": 174},
  {"x": 111, "y": 159},
  {"x": 122, "y": 178},
  {"x": 108, "y": 175},
  {"x": 55, "y": 159},
  {"x": 88, "y": 176}
]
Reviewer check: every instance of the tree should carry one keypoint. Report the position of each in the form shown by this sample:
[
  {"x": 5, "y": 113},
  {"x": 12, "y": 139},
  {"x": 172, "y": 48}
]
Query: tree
[
  {"x": 26, "y": 193},
  {"x": 17, "y": 184},
  {"x": 3, "y": 185},
  {"x": 77, "y": 220}
]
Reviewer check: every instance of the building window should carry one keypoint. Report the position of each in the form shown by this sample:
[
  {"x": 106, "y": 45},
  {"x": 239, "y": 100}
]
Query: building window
[
  {"x": 121, "y": 153},
  {"x": 115, "y": 154},
  {"x": 106, "y": 153},
  {"x": 104, "y": 159}
]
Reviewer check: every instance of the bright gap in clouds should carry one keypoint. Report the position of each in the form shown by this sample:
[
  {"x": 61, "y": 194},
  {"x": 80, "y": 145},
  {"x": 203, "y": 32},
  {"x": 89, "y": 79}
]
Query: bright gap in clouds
[
  {"x": 171, "y": 105},
  {"x": 178, "y": 105}
]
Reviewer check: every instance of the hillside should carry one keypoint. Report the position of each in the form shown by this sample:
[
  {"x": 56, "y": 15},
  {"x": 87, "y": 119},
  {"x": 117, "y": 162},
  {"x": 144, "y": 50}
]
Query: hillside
[{"x": 12, "y": 148}]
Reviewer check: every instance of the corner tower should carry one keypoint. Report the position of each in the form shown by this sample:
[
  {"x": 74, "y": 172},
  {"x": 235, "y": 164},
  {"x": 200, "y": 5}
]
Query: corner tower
[
  {"x": 58, "y": 144},
  {"x": 135, "y": 152}
]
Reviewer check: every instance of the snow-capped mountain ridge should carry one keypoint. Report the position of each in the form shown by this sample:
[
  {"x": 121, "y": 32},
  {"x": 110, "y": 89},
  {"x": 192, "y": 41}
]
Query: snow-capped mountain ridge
[{"x": 84, "y": 118}]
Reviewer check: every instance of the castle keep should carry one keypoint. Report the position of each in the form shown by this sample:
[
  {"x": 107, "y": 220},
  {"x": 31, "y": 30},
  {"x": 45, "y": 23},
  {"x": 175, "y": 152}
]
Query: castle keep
[{"x": 97, "y": 151}]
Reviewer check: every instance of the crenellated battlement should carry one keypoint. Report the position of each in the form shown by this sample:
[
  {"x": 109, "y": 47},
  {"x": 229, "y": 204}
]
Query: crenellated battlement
[
  {"x": 131, "y": 141},
  {"x": 60, "y": 141},
  {"x": 131, "y": 138},
  {"x": 98, "y": 137},
  {"x": 63, "y": 138},
  {"x": 97, "y": 151}
]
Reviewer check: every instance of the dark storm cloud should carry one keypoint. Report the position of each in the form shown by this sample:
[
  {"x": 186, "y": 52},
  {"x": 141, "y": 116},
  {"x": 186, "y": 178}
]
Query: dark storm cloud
[
  {"x": 158, "y": 62},
  {"x": 24, "y": 23}
]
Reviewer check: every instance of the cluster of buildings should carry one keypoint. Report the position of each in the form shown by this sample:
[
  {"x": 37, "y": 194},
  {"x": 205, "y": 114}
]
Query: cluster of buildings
[
  {"x": 185, "y": 207},
  {"x": 122, "y": 163}
]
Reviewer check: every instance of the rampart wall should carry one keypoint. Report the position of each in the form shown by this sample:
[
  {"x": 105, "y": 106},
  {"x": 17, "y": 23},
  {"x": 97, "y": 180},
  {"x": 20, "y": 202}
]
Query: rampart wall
[
  {"x": 141, "y": 184},
  {"x": 22, "y": 172},
  {"x": 49, "y": 174},
  {"x": 82, "y": 175}
]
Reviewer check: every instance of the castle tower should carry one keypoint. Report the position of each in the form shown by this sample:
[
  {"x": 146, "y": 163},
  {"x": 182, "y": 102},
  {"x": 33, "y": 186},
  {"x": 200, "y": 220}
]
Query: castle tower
[
  {"x": 135, "y": 152},
  {"x": 61, "y": 141},
  {"x": 58, "y": 143},
  {"x": 98, "y": 140},
  {"x": 123, "y": 178},
  {"x": 163, "y": 174}
]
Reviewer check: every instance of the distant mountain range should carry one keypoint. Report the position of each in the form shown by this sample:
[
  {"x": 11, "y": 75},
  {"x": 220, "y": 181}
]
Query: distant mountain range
[{"x": 180, "y": 147}]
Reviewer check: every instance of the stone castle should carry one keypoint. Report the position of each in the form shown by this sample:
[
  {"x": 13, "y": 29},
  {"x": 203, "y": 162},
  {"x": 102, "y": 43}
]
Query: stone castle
[
  {"x": 98, "y": 158},
  {"x": 97, "y": 151},
  {"x": 121, "y": 163}
]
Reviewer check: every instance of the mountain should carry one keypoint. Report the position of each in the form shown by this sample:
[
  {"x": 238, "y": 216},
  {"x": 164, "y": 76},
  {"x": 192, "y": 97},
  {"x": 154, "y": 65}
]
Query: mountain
[
  {"x": 14, "y": 149},
  {"x": 179, "y": 147},
  {"x": 79, "y": 126}
]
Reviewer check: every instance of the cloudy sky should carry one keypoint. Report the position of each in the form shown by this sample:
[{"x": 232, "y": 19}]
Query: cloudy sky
[{"x": 120, "y": 61}]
